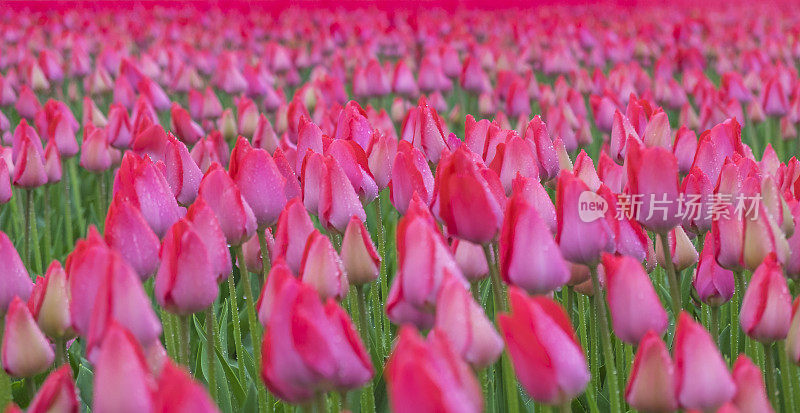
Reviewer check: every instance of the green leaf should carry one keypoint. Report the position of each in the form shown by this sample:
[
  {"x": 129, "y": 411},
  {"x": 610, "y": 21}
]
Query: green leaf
[
  {"x": 85, "y": 383},
  {"x": 231, "y": 378}
]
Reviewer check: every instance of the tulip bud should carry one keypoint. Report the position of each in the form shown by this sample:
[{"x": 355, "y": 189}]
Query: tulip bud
[
  {"x": 353, "y": 161},
  {"x": 514, "y": 157},
  {"x": 176, "y": 390},
  {"x": 470, "y": 259},
  {"x": 353, "y": 124},
  {"x": 57, "y": 394},
  {"x": 13, "y": 275},
  {"x": 627, "y": 287},
  {"x": 427, "y": 374},
  {"x": 278, "y": 274},
  {"x": 714, "y": 285},
  {"x": 127, "y": 231},
  {"x": 767, "y": 305},
  {"x": 555, "y": 370},
  {"x": 410, "y": 174},
  {"x": 653, "y": 175},
  {"x": 337, "y": 200},
  {"x": 581, "y": 241},
  {"x": 652, "y": 379},
  {"x": 792, "y": 344},
  {"x": 361, "y": 261},
  {"x": 381, "y": 155},
  {"x": 29, "y": 159},
  {"x": 50, "y": 304},
  {"x": 95, "y": 154},
  {"x": 235, "y": 217},
  {"x": 121, "y": 378},
  {"x": 463, "y": 323},
  {"x": 703, "y": 381},
  {"x": 186, "y": 282},
  {"x": 264, "y": 136},
  {"x": 52, "y": 163},
  {"x": 681, "y": 249},
  {"x": 539, "y": 270},
  {"x": 322, "y": 268},
  {"x": 684, "y": 148},
  {"x": 5, "y": 184},
  {"x": 293, "y": 230},
  {"x": 118, "y": 127},
  {"x": 26, "y": 351},
  {"x": 259, "y": 181},
  {"x": 252, "y": 252},
  {"x": 750, "y": 393}
]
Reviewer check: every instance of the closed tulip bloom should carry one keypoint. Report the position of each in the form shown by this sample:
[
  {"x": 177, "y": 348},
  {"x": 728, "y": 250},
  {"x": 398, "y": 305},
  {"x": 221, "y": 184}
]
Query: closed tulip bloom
[
  {"x": 464, "y": 324},
  {"x": 82, "y": 264},
  {"x": 311, "y": 177},
  {"x": 127, "y": 231},
  {"x": 652, "y": 381},
  {"x": 62, "y": 132},
  {"x": 26, "y": 351},
  {"x": 359, "y": 256},
  {"x": 252, "y": 252},
  {"x": 653, "y": 174},
  {"x": 580, "y": 241},
  {"x": 205, "y": 223},
  {"x": 27, "y": 103},
  {"x": 536, "y": 132},
  {"x": 773, "y": 99},
  {"x": 5, "y": 183},
  {"x": 762, "y": 237},
  {"x": 235, "y": 217},
  {"x": 186, "y": 282},
  {"x": 309, "y": 138},
  {"x": 338, "y": 200},
  {"x": 793, "y": 337},
  {"x": 141, "y": 182},
  {"x": 293, "y": 230},
  {"x": 475, "y": 214},
  {"x": 684, "y": 148},
  {"x": 410, "y": 174},
  {"x": 121, "y": 378},
  {"x": 380, "y": 157},
  {"x": 264, "y": 136},
  {"x": 322, "y": 268},
  {"x": 514, "y": 157},
  {"x": 259, "y": 180},
  {"x": 767, "y": 305},
  {"x": 470, "y": 259},
  {"x": 750, "y": 393},
  {"x": 681, "y": 249},
  {"x": 52, "y": 163},
  {"x": 696, "y": 185},
  {"x": 703, "y": 381},
  {"x": 547, "y": 357},
  {"x": 29, "y": 160},
  {"x": 353, "y": 160},
  {"x": 427, "y": 375},
  {"x": 57, "y": 394},
  {"x": 278, "y": 274},
  {"x": 13, "y": 275},
  {"x": 119, "y": 127},
  {"x": 95, "y": 154},
  {"x": 632, "y": 300},
  {"x": 49, "y": 304},
  {"x": 353, "y": 124},
  {"x": 537, "y": 270},
  {"x": 714, "y": 285},
  {"x": 176, "y": 391}
]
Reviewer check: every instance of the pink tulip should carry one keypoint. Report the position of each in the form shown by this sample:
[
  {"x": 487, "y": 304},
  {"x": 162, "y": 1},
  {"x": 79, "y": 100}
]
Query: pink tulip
[
  {"x": 353, "y": 160},
  {"x": 792, "y": 343},
  {"x": 186, "y": 281},
  {"x": 703, "y": 381},
  {"x": 52, "y": 163},
  {"x": 235, "y": 217},
  {"x": 293, "y": 230},
  {"x": 463, "y": 323},
  {"x": 653, "y": 175},
  {"x": 127, "y": 231},
  {"x": 353, "y": 124},
  {"x": 774, "y": 99},
  {"x": 278, "y": 274},
  {"x": 547, "y": 357},
  {"x": 750, "y": 393},
  {"x": 259, "y": 181},
  {"x": 13, "y": 275},
  {"x": 628, "y": 287},
  {"x": 714, "y": 285},
  {"x": 380, "y": 158},
  {"x": 121, "y": 379},
  {"x": 264, "y": 136},
  {"x": 359, "y": 256},
  {"x": 536, "y": 132},
  {"x": 26, "y": 351},
  {"x": 5, "y": 183},
  {"x": 204, "y": 222},
  {"x": 119, "y": 127},
  {"x": 652, "y": 379},
  {"x": 176, "y": 391},
  {"x": 684, "y": 148},
  {"x": 322, "y": 268},
  {"x": 251, "y": 249},
  {"x": 428, "y": 375},
  {"x": 57, "y": 394},
  {"x": 95, "y": 154},
  {"x": 338, "y": 200},
  {"x": 681, "y": 248},
  {"x": 539, "y": 270},
  {"x": 49, "y": 303},
  {"x": 470, "y": 259},
  {"x": 580, "y": 241},
  {"x": 29, "y": 159},
  {"x": 767, "y": 305},
  {"x": 410, "y": 174}
]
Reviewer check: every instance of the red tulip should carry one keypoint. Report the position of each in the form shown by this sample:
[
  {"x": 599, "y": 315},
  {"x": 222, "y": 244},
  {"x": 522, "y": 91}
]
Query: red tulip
[
  {"x": 126, "y": 231},
  {"x": 463, "y": 323},
  {"x": 652, "y": 381},
  {"x": 580, "y": 241},
  {"x": 427, "y": 375},
  {"x": 750, "y": 393},
  {"x": 176, "y": 391},
  {"x": 322, "y": 268},
  {"x": 13, "y": 275},
  {"x": 49, "y": 304},
  {"x": 57, "y": 394},
  {"x": 767, "y": 305},
  {"x": 186, "y": 281},
  {"x": 547, "y": 357},
  {"x": 26, "y": 351},
  {"x": 473, "y": 215},
  {"x": 539, "y": 270},
  {"x": 359, "y": 256},
  {"x": 653, "y": 175},
  {"x": 702, "y": 378},
  {"x": 634, "y": 304},
  {"x": 410, "y": 174},
  {"x": 259, "y": 181},
  {"x": 235, "y": 217},
  {"x": 121, "y": 378}
]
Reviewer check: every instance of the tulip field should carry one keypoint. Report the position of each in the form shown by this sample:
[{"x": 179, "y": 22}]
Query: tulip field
[{"x": 410, "y": 208}]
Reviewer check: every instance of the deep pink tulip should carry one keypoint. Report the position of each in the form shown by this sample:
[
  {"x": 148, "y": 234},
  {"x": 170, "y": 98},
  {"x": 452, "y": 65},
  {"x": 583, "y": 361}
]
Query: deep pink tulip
[
  {"x": 127, "y": 231},
  {"x": 410, "y": 174},
  {"x": 474, "y": 215},
  {"x": 514, "y": 157},
  {"x": 773, "y": 99},
  {"x": 29, "y": 159},
  {"x": 186, "y": 281},
  {"x": 580, "y": 241},
  {"x": 5, "y": 183},
  {"x": 264, "y": 136},
  {"x": 353, "y": 160},
  {"x": 26, "y": 351},
  {"x": 536, "y": 132},
  {"x": 750, "y": 393},
  {"x": 13, "y": 275},
  {"x": 252, "y": 252},
  {"x": 547, "y": 357},
  {"x": 652, "y": 380},
  {"x": 653, "y": 175},
  {"x": 539, "y": 270},
  {"x": 122, "y": 382},
  {"x": 84, "y": 279},
  {"x": 702, "y": 379},
  {"x": 632, "y": 300},
  {"x": 464, "y": 324},
  {"x": 119, "y": 127},
  {"x": 338, "y": 200},
  {"x": 311, "y": 177},
  {"x": 235, "y": 217},
  {"x": 176, "y": 392},
  {"x": 714, "y": 285},
  {"x": 205, "y": 223},
  {"x": 278, "y": 274},
  {"x": 95, "y": 154},
  {"x": 57, "y": 394},
  {"x": 767, "y": 305},
  {"x": 380, "y": 158},
  {"x": 353, "y": 124},
  {"x": 361, "y": 260},
  {"x": 293, "y": 230},
  {"x": 322, "y": 268},
  {"x": 428, "y": 375},
  {"x": 259, "y": 180},
  {"x": 684, "y": 148}
]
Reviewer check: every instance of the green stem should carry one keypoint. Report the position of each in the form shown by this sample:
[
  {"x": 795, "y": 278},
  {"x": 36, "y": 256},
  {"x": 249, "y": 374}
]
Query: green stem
[
  {"x": 184, "y": 339},
  {"x": 28, "y": 231},
  {"x": 101, "y": 201},
  {"x": 266, "y": 262},
  {"x": 497, "y": 284},
  {"x": 76, "y": 192},
  {"x": 715, "y": 323},
  {"x": 169, "y": 334},
  {"x": 61, "y": 352},
  {"x": 605, "y": 338},
  {"x": 5, "y": 381},
  {"x": 320, "y": 403},
  {"x": 383, "y": 277},
  {"x": 674, "y": 287},
  {"x": 237, "y": 330},
  {"x": 210, "y": 356},
  {"x": 253, "y": 324},
  {"x": 67, "y": 215},
  {"x": 566, "y": 407},
  {"x": 770, "y": 373},
  {"x": 367, "y": 396},
  {"x": 786, "y": 373},
  {"x": 734, "y": 309},
  {"x": 48, "y": 248}
]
